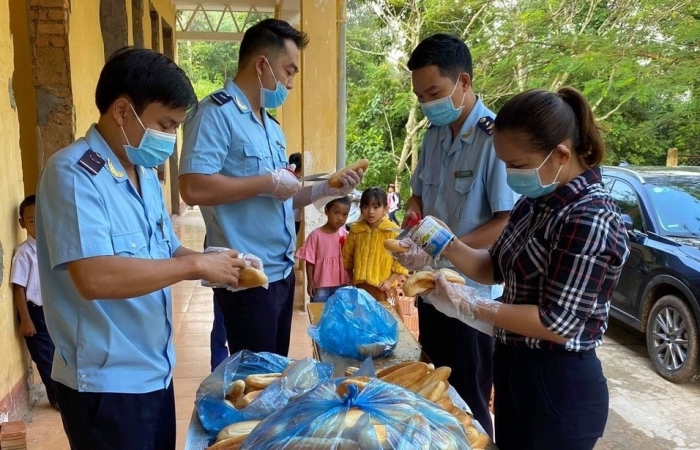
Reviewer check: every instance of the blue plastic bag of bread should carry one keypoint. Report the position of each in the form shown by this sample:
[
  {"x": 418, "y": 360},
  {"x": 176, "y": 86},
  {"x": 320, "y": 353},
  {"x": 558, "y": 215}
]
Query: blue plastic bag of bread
[
  {"x": 251, "y": 386},
  {"x": 358, "y": 413},
  {"x": 355, "y": 325}
]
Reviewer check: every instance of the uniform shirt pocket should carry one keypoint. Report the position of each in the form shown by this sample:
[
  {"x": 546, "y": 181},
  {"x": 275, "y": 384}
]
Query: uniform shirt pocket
[
  {"x": 131, "y": 244},
  {"x": 165, "y": 248},
  {"x": 256, "y": 160}
]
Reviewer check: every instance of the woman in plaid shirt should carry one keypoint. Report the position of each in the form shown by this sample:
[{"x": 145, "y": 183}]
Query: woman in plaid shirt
[{"x": 559, "y": 258}]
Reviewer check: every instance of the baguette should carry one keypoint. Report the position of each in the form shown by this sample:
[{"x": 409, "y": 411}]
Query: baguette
[
  {"x": 258, "y": 382},
  {"x": 394, "y": 246},
  {"x": 424, "y": 280},
  {"x": 237, "y": 429},
  {"x": 334, "y": 180},
  {"x": 250, "y": 278}
]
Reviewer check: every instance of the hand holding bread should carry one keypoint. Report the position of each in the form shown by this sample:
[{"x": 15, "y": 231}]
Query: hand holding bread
[
  {"x": 423, "y": 281},
  {"x": 339, "y": 184}
]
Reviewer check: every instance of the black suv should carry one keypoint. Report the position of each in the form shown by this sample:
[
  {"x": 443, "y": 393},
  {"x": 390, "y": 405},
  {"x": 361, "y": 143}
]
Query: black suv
[{"x": 659, "y": 288}]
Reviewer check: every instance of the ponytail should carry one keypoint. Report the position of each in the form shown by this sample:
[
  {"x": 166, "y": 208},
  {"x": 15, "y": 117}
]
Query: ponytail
[
  {"x": 588, "y": 141},
  {"x": 550, "y": 118}
]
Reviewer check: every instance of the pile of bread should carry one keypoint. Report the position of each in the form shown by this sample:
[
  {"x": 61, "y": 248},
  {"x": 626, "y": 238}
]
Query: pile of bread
[
  {"x": 430, "y": 383},
  {"x": 242, "y": 392},
  {"x": 421, "y": 378}
]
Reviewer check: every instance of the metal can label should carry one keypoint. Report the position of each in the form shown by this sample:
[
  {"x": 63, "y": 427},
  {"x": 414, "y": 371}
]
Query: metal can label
[{"x": 431, "y": 237}]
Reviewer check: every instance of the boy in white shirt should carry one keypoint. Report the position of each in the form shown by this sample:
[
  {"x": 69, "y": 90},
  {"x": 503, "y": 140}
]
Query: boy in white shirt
[{"x": 26, "y": 292}]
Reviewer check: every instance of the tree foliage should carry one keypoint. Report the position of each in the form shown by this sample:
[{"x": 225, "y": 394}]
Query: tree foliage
[{"x": 635, "y": 60}]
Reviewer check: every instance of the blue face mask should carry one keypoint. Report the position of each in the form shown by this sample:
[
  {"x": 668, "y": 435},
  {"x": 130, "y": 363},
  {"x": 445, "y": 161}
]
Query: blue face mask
[
  {"x": 155, "y": 148},
  {"x": 272, "y": 99},
  {"x": 527, "y": 182},
  {"x": 442, "y": 112}
]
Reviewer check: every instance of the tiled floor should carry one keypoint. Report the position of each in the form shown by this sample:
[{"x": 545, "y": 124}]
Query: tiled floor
[{"x": 193, "y": 315}]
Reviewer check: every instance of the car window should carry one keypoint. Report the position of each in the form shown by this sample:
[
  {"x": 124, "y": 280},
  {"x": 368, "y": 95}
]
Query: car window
[
  {"x": 677, "y": 207},
  {"x": 607, "y": 183},
  {"x": 627, "y": 201}
]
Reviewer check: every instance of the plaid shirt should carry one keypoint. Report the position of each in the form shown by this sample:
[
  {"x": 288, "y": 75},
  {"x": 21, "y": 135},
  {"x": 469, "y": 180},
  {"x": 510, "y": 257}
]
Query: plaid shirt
[{"x": 563, "y": 253}]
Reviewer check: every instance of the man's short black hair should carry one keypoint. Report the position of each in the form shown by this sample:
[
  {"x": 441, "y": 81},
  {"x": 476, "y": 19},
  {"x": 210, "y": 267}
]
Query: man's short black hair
[
  {"x": 145, "y": 76},
  {"x": 27, "y": 202},
  {"x": 269, "y": 35},
  {"x": 450, "y": 54}
]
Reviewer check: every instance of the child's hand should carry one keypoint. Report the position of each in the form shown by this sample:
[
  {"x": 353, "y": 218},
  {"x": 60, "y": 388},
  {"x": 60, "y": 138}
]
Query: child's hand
[
  {"x": 311, "y": 288},
  {"x": 386, "y": 285},
  {"x": 27, "y": 329}
]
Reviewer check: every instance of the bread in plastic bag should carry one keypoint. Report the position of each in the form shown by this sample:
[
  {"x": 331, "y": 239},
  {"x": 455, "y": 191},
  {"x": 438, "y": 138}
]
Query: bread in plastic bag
[
  {"x": 215, "y": 413},
  {"x": 354, "y": 324},
  {"x": 367, "y": 414}
]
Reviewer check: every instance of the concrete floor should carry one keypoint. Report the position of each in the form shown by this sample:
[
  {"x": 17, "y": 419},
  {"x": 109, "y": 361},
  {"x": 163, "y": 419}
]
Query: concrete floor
[{"x": 646, "y": 412}]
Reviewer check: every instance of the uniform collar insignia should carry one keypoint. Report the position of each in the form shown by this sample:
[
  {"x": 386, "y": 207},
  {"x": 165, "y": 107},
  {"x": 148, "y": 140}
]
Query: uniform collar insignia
[{"x": 113, "y": 170}]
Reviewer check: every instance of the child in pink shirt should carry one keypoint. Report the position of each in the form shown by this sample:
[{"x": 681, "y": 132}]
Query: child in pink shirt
[{"x": 322, "y": 252}]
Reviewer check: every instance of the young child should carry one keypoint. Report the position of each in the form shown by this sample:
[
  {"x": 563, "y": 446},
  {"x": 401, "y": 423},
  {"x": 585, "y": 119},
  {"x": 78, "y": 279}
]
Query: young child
[
  {"x": 369, "y": 265},
  {"x": 26, "y": 293},
  {"x": 322, "y": 252}
]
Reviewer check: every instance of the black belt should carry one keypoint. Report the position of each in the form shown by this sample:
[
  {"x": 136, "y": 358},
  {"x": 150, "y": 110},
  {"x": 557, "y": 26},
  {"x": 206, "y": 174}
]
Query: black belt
[
  {"x": 544, "y": 352},
  {"x": 34, "y": 305}
]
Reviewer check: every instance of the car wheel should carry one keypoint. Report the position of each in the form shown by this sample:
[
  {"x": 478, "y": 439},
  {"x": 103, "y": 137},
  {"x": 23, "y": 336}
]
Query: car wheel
[{"x": 672, "y": 339}]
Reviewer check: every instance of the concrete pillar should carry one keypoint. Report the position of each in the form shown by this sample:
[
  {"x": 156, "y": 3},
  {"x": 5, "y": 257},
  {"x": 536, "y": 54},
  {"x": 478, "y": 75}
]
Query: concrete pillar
[{"x": 672, "y": 157}]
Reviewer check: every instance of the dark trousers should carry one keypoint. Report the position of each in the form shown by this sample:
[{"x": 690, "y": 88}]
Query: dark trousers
[
  {"x": 548, "y": 399},
  {"x": 41, "y": 349},
  {"x": 217, "y": 338},
  {"x": 113, "y": 421},
  {"x": 258, "y": 319},
  {"x": 449, "y": 342},
  {"x": 392, "y": 217}
]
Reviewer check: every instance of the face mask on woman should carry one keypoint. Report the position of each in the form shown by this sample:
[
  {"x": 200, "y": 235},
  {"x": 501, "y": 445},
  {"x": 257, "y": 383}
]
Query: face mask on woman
[{"x": 527, "y": 182}]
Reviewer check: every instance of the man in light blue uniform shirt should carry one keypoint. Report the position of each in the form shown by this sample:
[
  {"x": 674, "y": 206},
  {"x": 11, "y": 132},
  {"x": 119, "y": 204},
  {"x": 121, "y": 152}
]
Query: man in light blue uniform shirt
[
  {"x": 234, "y": 166},
  {"x": 108, "y": 254},
  {"x": 460, "y": 181}
]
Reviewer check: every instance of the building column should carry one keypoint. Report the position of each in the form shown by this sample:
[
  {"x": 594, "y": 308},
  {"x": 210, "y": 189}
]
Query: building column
[{"x": 48, "y": 33}]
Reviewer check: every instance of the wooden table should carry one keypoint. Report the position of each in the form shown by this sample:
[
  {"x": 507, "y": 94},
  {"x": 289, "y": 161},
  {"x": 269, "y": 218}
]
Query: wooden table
[{"x": 406, "y": 350}]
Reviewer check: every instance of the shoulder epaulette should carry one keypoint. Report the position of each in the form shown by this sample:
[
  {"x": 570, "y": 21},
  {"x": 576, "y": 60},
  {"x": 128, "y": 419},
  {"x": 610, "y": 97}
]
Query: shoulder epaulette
[
  {"x": 272, "y": 117},
  {"x": 486, "y": 124},
  {"x": 92, "y": 162},
  {"x": 221, "y": 97}
]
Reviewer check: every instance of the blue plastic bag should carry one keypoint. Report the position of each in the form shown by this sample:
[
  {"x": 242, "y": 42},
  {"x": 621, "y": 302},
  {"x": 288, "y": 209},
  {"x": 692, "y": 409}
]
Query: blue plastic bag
[
  {"x": 354, "y": 324},
  {"x": 381, "y": 416},
  {"x": 299, "y": 377}
]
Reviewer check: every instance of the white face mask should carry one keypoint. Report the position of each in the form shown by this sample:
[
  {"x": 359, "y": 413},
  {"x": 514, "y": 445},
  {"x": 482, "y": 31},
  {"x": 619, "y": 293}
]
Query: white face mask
[{"x": 527, "y": 182}]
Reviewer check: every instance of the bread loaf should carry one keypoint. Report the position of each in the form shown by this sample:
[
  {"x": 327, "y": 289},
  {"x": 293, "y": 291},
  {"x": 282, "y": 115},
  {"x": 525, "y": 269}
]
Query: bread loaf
[
  {"x": 394, "y": 246},
  {"x": 424, "y": 280},
  {"x": 334, "y": 180},
  {"x": 250, "y": 278}
]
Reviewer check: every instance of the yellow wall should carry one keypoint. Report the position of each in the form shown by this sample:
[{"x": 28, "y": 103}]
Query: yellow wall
[
  {"x": 319, "y": 85},
  {"x": 86, "y": 60},
  {"x": 25, "y": 95},
  {"x": 12, "y": 366}
]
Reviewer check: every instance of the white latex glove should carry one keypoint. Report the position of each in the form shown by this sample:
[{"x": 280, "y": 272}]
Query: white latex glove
[
  {"x": 250, "y": 260},
  {"x": 464, "y": 304},
  {"x": 322, "y": 193},
  {"x": 284, "y": 184},
  {"x": 415, "y": 258}
]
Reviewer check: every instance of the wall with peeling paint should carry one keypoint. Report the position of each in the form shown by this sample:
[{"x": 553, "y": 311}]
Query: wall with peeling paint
[{"x": 14, "y": 362}]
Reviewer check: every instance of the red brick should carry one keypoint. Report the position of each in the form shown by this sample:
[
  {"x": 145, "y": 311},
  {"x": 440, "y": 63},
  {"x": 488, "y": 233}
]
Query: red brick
[
  {"x": 57, "y": 14},
  {"x": 58, "y": 42},
  {"x": 51, "y": 28}
]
